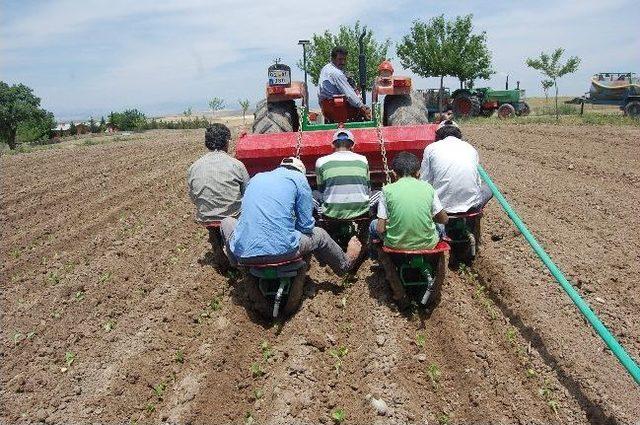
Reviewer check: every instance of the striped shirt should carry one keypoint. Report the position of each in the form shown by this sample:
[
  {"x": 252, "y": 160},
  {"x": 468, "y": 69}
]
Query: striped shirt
[
  {"x": 216, "y": 184},
  {"x": 343, "y": 180}
]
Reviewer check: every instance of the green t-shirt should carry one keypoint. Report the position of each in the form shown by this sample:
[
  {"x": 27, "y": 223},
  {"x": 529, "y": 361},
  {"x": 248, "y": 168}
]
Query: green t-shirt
[{"x": 409, "y": 205}]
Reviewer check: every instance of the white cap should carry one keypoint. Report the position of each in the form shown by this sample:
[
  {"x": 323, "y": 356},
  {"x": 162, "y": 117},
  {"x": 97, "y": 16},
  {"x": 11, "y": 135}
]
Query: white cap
[
  {"x": 448, "y": 122},
  {"x": 343, "y": 134},
  {"x": 295, "y": 163}
]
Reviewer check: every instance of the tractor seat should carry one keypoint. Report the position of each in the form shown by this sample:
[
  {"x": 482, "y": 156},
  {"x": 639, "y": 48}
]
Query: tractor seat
[
  {"x": 442, "y": 246},
  {"x": 467, "y": 214},
  {"x": 212, "y": 224},
  {"x": 294, "y": 260}
]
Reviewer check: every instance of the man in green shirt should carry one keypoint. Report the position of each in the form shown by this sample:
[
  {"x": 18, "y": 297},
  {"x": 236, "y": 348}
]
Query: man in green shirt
[{"x": 408, "y": 209}]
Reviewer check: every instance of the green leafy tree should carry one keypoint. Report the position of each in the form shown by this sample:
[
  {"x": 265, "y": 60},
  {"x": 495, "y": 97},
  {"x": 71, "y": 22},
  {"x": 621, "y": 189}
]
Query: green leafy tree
[
  {"x": 546, "y": 85},
  {"x": 73, "y": 130},
  {"x": 319, "y": 51},
  {"x": 20, "y": 108},
  {"x": 244, "y": 104},
  {"x": 130, "y": 119},
  {"x": 440, "y": 48},
  {"x": 93, "y": 127},
  {"x": 103, "y": 124},
  {"x": 216, "y": 104},
  {"x": 551, "y": 67}
]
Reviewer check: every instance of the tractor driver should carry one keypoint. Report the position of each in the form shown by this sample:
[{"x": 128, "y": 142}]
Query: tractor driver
[
  {"x": 450, "y": 165},
  {"x": 276, "y": 223},
  {"x": 334, "y": 82}
]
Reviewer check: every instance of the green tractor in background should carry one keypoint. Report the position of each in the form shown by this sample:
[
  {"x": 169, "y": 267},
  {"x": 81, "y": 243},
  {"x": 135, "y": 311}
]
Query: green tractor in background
[{"x": 484, "y": 101}]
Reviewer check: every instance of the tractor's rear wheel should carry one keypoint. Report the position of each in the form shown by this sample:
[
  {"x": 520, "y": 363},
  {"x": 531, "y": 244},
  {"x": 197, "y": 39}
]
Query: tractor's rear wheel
[
  {"x": 404, "y": 109},
  {"x": 295, "y": 292},
  {"x": 275, "y": 117},
  {"x": 259, "y": 302},
  {"x": 466, "y": 105},
  {"x": 632, "y": 109},
  {"x": 506, "y": 111}
]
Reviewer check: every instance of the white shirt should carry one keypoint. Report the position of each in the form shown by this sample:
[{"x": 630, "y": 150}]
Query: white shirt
[{"x": 451, "y": 166}]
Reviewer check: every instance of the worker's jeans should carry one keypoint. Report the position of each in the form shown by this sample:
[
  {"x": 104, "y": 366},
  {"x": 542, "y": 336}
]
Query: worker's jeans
[{"x": 318, "y": 243}]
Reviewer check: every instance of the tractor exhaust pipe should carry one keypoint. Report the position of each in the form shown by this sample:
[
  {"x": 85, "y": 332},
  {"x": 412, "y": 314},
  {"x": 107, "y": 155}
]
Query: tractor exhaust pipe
[{"x": 362, "y": 67}]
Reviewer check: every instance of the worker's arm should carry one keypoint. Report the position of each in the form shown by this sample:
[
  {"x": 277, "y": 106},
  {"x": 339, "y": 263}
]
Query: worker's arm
[
  {"x": 244, "y": 176},
  {"x": 425, "y": 167},
  {"x": 343, "y": 86},
  {"x": 381, "y": 226},
  {"x": 304, "y": 206},
  {"x": 439, "y": 214}
]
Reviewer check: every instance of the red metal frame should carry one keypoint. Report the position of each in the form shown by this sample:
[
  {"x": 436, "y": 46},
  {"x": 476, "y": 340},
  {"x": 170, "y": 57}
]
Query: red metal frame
[
  {"x": 295, "y": 90},
  {"x": 392, "y": 85},
  {"x": 442, "y": 246},
  {"x": 265, "y": 265},
  {"x": 214, "y": 224},
  {"x": 467, "y": 214}
]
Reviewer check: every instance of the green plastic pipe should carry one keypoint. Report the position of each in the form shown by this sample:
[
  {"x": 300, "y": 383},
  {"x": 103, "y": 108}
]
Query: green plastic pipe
[{"x": 612, "y": 343}]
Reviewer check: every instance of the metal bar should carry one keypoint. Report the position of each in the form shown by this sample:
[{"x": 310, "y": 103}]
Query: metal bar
[{"x": 592, "y": 318}]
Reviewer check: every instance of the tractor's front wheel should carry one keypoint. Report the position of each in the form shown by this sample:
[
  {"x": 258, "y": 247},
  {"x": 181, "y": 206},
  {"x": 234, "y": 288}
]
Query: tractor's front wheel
[
  {"x": 632, "y": 109},
  {"x": 275, "y": 117},
  {"x": 466, "y": 105},
  {"x": 405, "y": 109},
  {"x": 524, "y": 109},
  {"x": 506, "y": 111}
]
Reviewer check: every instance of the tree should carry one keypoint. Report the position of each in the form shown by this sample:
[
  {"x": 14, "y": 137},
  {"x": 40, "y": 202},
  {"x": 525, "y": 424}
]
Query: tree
[
  {"x": 19, "y": 107},
  {"x": 93, "y": 127},
  {"x": 319, "y": 52},
  {"x": 440, "y": 48},
  {"x": 546, "y": 85},
  {"x": 73, "y": 130},
  {"x": 103, "y": 124},
  {"x": 550, "y": 66},
  {"x": 244, "y": 104},
  {"x": 216, "y": 104}
]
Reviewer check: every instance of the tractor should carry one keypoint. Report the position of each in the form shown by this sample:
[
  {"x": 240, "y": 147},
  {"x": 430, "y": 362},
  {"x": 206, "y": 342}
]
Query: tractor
[
  {"x": 613, "y": 88},
  {"x": 284, "y": 128},
  {"x": 484, "y": 101}
]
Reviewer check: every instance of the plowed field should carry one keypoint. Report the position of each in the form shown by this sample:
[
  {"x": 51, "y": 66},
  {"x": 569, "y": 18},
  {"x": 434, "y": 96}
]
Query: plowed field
[{"x": 111, "y": 312}]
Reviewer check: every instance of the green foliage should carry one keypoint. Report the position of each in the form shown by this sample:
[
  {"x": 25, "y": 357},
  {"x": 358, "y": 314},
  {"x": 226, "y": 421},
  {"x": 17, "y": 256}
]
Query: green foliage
[
  {"x": 21, "y": 118},
  {"x": 267, "y": 352},
  {"x": 551, "y": 67},
  {"x": 216, "y": 104},
  {"x": 338, "y": 416},
  {"x": 244, "y": 104},
  {"x": 319, "y": 51},
  {"x": 434, "y": 373},
  {"x": 256, "y": 370},
  {"x": 187, "y": 112},
  {"x": 129, "y": 120},
  {"x": 179, "y": 357},
  {"x": 159, "y": 389},
  {"x": 546, "y": 85},
  {"x": 93, "y": 126},
  {"x": 440, "y": 48},
  {"x": 69, "y": 358},
  {"x": 421, "y": 339}
]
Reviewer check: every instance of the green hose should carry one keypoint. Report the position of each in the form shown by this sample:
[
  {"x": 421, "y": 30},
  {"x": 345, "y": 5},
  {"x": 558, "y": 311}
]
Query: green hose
[{"x": 604, "y": 333}]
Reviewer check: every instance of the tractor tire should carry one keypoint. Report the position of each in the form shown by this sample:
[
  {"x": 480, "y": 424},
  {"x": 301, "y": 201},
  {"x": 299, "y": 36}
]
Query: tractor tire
[
  {"x": 506, "y": 111},
  {"x": 259, "y": 303},
  {"x": 525, "y": 110},
  {"x": 275, "y": 117},
  {"x": 405, "y": 109},
  {"x": 436, "y": 294},
  {"x": 632, "y": 109},
  {"x": 465, "y": 105},
  {"x": 487, "y": 112},
  {"x": 296, "y": 291}
]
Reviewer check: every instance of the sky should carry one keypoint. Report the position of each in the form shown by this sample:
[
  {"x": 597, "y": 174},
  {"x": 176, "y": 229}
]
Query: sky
[{"x": 89, "y": 57}]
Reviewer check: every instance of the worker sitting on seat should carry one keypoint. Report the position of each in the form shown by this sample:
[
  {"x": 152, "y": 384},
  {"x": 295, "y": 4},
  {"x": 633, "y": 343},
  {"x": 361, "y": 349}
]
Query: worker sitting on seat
[
  {"x": 217, "y": 180},
  {"x": 408, "y": 209},
  {"x": 344, "y": 187},
  {"x": 277, "y": 224},
  {"x": 334, "y": 82},
  {"x": 450, "y": 165}
]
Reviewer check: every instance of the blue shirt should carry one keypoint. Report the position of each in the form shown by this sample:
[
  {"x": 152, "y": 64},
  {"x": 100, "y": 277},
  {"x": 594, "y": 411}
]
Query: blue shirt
[
  {"x": 276, "y": 208},
  {"x": 333, "y": 82}
]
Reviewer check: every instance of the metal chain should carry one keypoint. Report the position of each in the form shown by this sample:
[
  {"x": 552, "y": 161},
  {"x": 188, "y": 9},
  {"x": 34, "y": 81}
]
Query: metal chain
[
  {"x": 299, "y": 135},
  {"x": 383, "y": 152}
]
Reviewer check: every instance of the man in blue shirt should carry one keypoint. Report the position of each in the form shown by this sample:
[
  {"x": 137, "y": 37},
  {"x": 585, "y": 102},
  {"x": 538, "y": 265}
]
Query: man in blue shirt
[
  {"x": 333, "y": 82},
  {"x": 276, "y": 223}
]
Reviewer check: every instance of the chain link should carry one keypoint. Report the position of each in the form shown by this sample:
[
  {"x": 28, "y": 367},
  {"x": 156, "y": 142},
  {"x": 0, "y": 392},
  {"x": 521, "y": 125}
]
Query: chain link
[
  {"x": 299, "y": 135},
  {"x": 383, "y": 152}
]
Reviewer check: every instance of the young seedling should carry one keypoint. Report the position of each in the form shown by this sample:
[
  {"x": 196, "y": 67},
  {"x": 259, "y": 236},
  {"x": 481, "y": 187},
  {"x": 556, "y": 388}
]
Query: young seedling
[
  {"x": 256, "y": 370},
  {"x": 179, "y": 357},
  {"x": 150, "y": 408},
  {"x": 511, "y": 335},
  {"x": 159, "y": 389},
  {"x": 105, "y": 277},
  {"x": 15, "y": 253},
  {"x": 444, "y": 419},
  {"x": 180, "y": 248},
  {"x": 338, "y": 353},
  {"x": 69, "y": 358},
  {"x": 109, "y": 325},
  {"x": 215, "y": 304},
  {"x": 421, "y": 339},
  {"x": 17, "y": 336},
  {"x": 79, "y": 295},
  {"x": 338, "y": 416},
  {"x": 31, "y": 335},
  {"x": 258, "y": 393},
  {"x": 267, "y": 353},
  {"x": 249, "y": 419},
  {"x": 546, "y": 392},
  {"x": 433, "y": 372},
  {"x": 531, "y": 373},
  {"x": 53, "y": 278}
]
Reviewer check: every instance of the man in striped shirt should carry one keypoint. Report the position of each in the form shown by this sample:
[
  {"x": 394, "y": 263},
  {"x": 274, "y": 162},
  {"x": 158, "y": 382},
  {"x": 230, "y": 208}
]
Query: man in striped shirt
[{"x": 343, "y": 181}]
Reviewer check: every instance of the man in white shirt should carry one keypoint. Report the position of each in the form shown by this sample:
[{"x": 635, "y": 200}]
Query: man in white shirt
[{"x": 450, "y": 166}]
